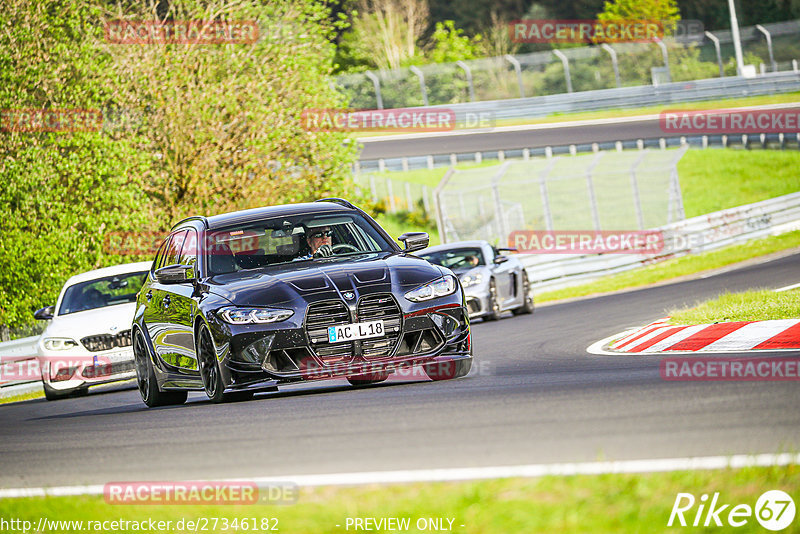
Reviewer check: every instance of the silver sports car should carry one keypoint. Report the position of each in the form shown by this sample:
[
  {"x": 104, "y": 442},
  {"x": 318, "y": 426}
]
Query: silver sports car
[{"x": 493, "y": 282}]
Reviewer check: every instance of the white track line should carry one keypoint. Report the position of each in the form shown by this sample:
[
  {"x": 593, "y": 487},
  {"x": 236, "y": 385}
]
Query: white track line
[
  {"x": 787, "y": 288},
  {"x": 470, "y": 473}
]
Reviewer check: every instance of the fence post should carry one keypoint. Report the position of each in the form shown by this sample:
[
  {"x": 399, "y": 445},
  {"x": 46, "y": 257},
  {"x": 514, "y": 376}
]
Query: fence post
[
  {"x": 613, "y": 54},
  {"x": 763, "y": 30},
  {"x": 377, "y": 84},
  {"x": 665, "y": 55},
  {"x": 564, "y": 61},
  {"x": 637, "y": 201},
  {"x": 719, "y": 53},
  {"x": 675, "y": 187},
  {"x": 468, "y": 73},
  {"x": 498, "y": 206},
  {"x": 440, "y": 215},
  {"x": 422, "y": 87},
  {"x": 590, "y": 185},
  {"x": 372, "y": 188},
  {"x": 425, "y": 200},
  {"x": 409, "y": 202},
  {"x": 511, "y": 59},
  {"x": 548, "y": 216},
  {"x": 392, "y": 207}
]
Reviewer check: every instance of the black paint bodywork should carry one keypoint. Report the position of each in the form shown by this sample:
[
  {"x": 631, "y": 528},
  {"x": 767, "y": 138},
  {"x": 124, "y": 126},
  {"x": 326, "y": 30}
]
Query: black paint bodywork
[{"x": 170, "y": 315}]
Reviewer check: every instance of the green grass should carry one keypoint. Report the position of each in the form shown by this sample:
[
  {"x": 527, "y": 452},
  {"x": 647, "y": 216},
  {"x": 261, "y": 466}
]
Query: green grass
[
  {"x": 716, "y": 179},
  {"x": 395, "y": 227},
  {"x": 597, "y": 504},
  {"x": 677, "y": 267},
  {"x": 632, "y": 112},
  {"x": 746, "y": 306},
  {"x": 711, "y": 179}
]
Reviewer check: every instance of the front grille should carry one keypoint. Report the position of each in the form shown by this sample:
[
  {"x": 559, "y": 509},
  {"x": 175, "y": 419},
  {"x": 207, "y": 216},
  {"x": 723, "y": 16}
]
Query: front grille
[
  {"x": 383, "y": 307},
  {"x": 107, "y": 341},
  {"x": 320, "y": 317}
]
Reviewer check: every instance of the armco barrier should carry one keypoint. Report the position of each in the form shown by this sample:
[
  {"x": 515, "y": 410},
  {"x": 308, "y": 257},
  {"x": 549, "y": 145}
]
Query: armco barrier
[
  {"x": 690, "y": 236},
  {"x": 15, "y": 352}
]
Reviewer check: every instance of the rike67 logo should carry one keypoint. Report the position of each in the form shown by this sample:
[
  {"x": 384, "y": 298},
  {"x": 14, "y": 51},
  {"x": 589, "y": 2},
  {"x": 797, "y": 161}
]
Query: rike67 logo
[{"x": 774, "y": 510}]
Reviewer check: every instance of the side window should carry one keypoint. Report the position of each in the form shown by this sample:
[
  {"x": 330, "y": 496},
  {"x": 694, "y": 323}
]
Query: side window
[
  {"x": 159, "y": 256},
  {"x": 173, "y": 254},
  {"x": 188, "y": 254}
]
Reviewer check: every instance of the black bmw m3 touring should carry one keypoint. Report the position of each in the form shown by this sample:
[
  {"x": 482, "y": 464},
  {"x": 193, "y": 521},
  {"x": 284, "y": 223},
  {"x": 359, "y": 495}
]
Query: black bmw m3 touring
[{"x": 246, "y": 301}]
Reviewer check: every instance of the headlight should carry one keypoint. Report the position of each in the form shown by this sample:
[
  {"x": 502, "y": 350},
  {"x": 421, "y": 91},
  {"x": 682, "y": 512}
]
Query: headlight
[
  {"x": 471, "y": 279},
  {"x": 234, "y": 315},
  {"x": 442, "y": 287},
  {"x": 59, "y": 343}
]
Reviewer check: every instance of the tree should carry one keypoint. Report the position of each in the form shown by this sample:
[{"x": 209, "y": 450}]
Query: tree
[{"x": 187, "y": 129}]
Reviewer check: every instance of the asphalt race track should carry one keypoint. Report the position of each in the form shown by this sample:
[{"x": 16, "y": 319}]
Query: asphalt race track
[
  {"x": 535, "y": 396},
  {"x": 628, "y": 129}
]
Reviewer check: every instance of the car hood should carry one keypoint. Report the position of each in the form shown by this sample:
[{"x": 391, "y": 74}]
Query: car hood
[
  {"x": 106, "y": 320},
  {"x": 323, "y": 279}
]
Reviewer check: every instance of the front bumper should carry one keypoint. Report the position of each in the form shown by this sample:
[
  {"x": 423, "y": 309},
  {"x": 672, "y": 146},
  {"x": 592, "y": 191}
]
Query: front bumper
[
  {"x": 261, "y": 356},
  {"x": 65, "y": 372}
]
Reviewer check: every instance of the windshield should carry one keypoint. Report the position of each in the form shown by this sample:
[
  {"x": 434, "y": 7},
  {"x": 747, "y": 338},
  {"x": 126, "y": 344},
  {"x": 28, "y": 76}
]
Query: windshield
[
  {"x": 285, "y": 240},
  {"x": 102, "y": 292},
  {"x": 462, "y": 258}
]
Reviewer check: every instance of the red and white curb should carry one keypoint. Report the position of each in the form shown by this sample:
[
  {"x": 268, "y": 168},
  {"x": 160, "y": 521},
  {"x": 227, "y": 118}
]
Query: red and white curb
[{"x": 660, "y": 336}]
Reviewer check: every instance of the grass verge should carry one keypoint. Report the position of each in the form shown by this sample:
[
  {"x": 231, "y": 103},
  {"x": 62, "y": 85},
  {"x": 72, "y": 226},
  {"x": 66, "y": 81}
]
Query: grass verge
[
  {"x": 746, "y": 306},
  {"x": 598, "y": 504},
  {"x": 711, "y": 179},
  {"x": 677, "y": 267}
]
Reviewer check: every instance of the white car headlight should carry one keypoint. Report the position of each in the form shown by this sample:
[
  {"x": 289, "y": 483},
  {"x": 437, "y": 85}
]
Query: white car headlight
[
  {"x": 59, "y": 343},
  {"x": 471, "y": 279},
  {"x": 237, "y": 315},
  {"x": 442, "y": 287}
]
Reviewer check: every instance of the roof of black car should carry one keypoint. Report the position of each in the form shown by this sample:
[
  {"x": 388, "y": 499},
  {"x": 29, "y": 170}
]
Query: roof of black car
[{"x": 226, "y": 219}]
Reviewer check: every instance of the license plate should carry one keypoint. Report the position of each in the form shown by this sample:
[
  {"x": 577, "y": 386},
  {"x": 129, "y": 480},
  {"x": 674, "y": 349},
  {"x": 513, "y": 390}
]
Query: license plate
[
  {"x": 114, "y": 357},
  {"x": 351, "y": 332}
]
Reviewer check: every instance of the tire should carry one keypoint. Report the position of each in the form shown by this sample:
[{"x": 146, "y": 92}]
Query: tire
[
  {"x": 494, "y": 313},
  {"x": 211, "y": 373},
  {"x": 367, "y": 379},
  {"x": 55, "y": 394},
  {"x": 146, "y": 378},
  {"x": 448, "y": 370},
  {"x": 527, "y": 306}
]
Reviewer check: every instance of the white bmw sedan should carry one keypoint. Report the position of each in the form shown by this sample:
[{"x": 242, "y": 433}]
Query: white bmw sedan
[{"x": 88, "y": 338}]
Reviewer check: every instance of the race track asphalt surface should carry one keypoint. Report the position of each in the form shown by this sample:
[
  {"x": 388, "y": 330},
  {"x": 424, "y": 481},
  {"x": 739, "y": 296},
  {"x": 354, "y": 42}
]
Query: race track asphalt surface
[
  {"x": 547, "y": 135},
  {"x": 535, "y": 396}
]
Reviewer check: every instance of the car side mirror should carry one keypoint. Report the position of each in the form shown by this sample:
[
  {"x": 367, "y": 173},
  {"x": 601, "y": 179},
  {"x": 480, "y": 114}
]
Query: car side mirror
[
  {"x": 43, "y": 314},
  {"x": 175, "y": 274},
  {"x": 500, "y": 259},
  {"x": 414, "y": 241}
]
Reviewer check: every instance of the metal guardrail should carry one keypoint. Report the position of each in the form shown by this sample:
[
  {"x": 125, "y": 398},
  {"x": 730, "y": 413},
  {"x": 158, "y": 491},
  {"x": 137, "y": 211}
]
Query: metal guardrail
[
  {"x": 690, "y": 236},
  {"x": 629, "y": 97},
  {"x": 15, "y": 353}
]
